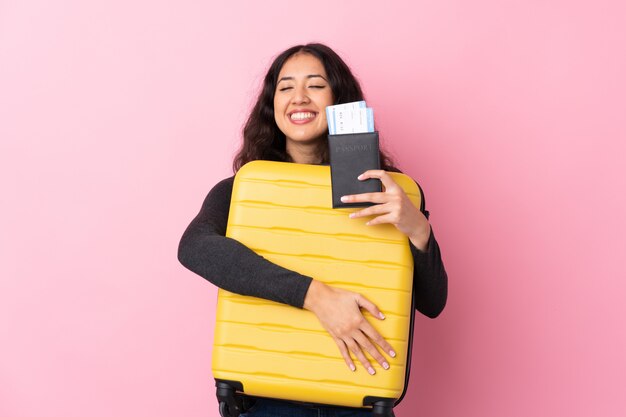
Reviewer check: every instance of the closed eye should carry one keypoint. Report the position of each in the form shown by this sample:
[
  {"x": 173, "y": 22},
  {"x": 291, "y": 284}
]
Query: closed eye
[{"x": 319, "y": 87}]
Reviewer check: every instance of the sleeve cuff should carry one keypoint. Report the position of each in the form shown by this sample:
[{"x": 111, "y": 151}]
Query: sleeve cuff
[
  {"x": 421, "y": 256},
  {"x": 301, "y": 291}
]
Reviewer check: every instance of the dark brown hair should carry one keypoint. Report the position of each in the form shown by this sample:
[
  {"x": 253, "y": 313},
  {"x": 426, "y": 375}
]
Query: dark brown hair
[{"x": 262, "y": 139}]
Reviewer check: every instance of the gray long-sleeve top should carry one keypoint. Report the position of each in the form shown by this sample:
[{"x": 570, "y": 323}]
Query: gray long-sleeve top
[{"x": 230, "y": 265}]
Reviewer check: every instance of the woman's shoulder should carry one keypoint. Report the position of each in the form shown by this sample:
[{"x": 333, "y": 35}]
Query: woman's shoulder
[
  {"x": 222, "y": 190},
  {"x": 225, "y": 184}
]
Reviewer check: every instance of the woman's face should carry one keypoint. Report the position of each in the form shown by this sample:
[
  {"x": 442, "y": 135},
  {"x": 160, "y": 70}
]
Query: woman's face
[{"x": 300, "y": 100}]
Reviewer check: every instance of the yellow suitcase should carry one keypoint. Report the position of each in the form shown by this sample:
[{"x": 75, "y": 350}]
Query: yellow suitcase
[{"x": 283, "y": 212}]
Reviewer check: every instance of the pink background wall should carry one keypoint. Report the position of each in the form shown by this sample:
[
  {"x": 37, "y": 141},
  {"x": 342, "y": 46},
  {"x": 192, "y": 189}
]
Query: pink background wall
[{"x": 116, "y": 117}]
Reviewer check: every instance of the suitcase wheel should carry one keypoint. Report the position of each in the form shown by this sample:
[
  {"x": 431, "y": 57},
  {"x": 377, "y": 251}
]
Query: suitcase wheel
[
  {"x": 382, "y": 409},
  {"x": 226, "y": 412},
  {"x": 232, "y": 404}
]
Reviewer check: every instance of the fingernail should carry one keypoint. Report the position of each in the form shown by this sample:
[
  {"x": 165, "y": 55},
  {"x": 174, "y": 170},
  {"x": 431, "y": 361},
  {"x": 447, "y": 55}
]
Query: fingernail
[
  {"x": 385, "y": 365},
  {"x": 367, "y": 224},
  {"x": 352, "y": 368},
  {"x": 392, "y": 353},
  {"x": 360, "y": 176},
  {"x": 352, "y": 215},
  {"x": 382, "y": 316},
  {"x": 344, "y": 198},
  {"x": 371, "y": 371}
]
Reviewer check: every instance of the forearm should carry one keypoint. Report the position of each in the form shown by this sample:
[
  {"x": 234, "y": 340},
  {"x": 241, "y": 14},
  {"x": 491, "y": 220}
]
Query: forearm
[
  {"x": 429, "y": 279},
  {"x": 232, "y": 266},
  {"x": 229, "y": 264}
]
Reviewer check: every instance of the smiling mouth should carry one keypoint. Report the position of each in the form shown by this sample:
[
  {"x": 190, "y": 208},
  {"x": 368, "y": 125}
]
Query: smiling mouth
[{"x": 301, "y": 116}]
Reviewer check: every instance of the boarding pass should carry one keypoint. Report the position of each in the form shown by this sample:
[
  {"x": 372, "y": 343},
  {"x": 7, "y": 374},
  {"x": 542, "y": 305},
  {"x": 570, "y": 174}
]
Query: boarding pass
[{"x": 353, "y": 117}]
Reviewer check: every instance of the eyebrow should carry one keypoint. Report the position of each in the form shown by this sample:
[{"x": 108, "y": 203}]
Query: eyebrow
[{"x": 308, "y": 77}]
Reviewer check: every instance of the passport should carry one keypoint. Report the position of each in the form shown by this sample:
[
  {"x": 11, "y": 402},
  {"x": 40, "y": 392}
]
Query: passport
[{"x": 351, "y": 155}]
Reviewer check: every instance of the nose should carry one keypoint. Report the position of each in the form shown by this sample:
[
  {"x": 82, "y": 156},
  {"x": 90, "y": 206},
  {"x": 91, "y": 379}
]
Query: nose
[{"x": 300, "y": 95}]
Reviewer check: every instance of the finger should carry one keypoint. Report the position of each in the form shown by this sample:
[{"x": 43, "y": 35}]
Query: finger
[
  {"x": 365, "y": 197},
  {"x": 385, "y": 218},
  {"x": 370, "y": 211},
  {"x": 344, "y": 352},
  {"x": 369, "y": 330},
  {"x": 383, "y": 176},
  {"x": 366, "y": 344},
  {"x": 377, "y": 338},
  {"x": 356, "y": 349},
  {"x": 369, "y": 306}
]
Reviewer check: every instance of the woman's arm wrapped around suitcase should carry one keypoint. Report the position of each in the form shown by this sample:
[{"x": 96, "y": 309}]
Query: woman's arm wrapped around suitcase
[
  {"x": 393, "y": 206},
  {"x": 230, "y": 265},
  {"x": 339, "y": 311}
]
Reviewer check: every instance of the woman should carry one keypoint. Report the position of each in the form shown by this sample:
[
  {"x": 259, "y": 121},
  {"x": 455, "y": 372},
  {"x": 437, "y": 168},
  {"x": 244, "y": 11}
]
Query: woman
[{"x": 288, "y": 123}]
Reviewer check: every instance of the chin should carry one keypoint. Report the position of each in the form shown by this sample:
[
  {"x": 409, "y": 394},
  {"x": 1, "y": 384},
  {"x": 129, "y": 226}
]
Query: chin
[{"x": 308, "y": 138}]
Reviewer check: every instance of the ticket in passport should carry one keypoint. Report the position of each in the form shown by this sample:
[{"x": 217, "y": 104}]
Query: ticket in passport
[
  {"x": 336, "y": 113},
  {"x": 353, "y": 117}
]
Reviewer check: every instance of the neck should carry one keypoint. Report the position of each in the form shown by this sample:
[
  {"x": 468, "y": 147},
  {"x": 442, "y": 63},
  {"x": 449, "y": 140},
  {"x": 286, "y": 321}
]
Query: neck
[{"x": 304, "y": 153}]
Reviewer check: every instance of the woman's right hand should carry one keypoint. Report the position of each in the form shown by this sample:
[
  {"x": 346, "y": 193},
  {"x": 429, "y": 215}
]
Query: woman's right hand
[{"x": 339, "y": 312}]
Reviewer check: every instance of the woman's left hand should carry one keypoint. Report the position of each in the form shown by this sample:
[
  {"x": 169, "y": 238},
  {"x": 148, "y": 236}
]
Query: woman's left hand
[{"x": 393, "y": 206}]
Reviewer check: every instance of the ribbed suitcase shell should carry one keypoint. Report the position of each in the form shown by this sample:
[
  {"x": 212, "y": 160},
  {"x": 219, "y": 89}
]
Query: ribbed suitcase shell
[{"x": 283, "y": 212}]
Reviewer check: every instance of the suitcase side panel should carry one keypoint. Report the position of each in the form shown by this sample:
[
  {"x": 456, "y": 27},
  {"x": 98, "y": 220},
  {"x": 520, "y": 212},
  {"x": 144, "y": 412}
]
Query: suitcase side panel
[{"x": 282, "y": 352}]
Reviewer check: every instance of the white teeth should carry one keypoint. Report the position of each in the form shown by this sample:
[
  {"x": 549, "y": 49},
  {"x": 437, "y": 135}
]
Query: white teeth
[{"x": 302, "y": 115}]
